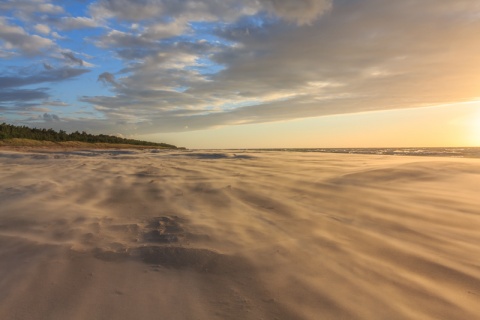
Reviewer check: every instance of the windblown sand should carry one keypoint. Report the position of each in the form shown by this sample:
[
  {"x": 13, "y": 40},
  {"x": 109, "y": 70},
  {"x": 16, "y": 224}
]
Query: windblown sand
[{"x": 259, "y": 235}]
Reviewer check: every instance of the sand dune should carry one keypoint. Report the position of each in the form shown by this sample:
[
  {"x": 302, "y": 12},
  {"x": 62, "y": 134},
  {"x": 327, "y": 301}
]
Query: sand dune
[{"x": 220, "y": 235}]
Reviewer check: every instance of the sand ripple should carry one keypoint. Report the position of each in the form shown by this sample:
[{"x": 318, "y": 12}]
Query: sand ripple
[{"x": 223, "y": 235}]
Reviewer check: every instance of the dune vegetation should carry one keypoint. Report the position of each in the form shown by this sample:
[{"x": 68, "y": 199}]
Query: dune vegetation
[{"x": 19, "y": 136}]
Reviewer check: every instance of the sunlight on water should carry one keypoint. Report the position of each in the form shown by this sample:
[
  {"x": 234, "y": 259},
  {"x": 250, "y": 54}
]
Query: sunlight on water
[{"x": 467, "y": 152}]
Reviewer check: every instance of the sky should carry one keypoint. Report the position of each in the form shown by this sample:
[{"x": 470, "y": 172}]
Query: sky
[{"x": 246, "y": 74}]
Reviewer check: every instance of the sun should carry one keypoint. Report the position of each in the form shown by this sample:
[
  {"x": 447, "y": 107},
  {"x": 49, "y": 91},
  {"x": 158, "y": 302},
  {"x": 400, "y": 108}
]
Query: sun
[{"x": 475, "y": 128}]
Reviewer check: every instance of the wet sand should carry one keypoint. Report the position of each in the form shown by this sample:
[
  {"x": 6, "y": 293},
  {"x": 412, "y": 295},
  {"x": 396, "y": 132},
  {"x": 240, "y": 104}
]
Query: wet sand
[{"x": 140, "y": 234}]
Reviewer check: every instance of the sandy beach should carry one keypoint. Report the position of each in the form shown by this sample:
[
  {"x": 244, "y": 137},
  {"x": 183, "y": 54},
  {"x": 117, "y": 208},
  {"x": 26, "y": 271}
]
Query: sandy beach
[{"x": 142, "y": 234}]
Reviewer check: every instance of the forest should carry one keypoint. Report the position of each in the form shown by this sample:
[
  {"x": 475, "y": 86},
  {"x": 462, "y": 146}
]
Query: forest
[{"x": 8, "y": 131}]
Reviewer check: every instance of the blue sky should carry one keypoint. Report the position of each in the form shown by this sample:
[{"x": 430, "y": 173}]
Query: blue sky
[{"x": 157, "y": 68}]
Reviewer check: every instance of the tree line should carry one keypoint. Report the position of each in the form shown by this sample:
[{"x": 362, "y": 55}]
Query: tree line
[{"x": 8, "y": 131}]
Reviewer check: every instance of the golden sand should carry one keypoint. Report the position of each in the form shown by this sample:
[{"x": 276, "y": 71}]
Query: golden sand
[{"x": 261, "y": 235}]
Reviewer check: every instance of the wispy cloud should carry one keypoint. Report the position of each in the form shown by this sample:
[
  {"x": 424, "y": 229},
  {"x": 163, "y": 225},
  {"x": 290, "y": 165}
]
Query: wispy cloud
[
  {"x": 20, "y": 95},
  {"x": 73, "y": 23},
  {"x": 49, "y": 75}
]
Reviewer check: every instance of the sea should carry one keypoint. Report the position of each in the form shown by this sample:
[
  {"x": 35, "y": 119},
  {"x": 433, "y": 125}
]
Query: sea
[{"x": 466, "y": 152}]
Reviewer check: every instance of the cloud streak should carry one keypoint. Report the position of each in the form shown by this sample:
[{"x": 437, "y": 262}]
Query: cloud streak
[
  {"x": 17, "y": 95},
  {"x": 48, "y": 75}
]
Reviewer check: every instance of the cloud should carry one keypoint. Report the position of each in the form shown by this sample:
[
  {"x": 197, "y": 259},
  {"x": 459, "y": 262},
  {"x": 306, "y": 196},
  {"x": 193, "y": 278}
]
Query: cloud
[
  {"x": 186, "y": 65},
  {"x": 16, "y": 95},
  {"x": 361, "y": 56},
  {"x": 73, "y": 23},
  {"x": 42, "y": 28},
  {"x": 25, "y": 101},
  {"x": 50, "y": 117},
  {"x": 118, "y": 39},
  {"x": 54, "y": 103},
  {"x": 6, "y": 54},
  {"x": 28, "y": 7},
  {"x": 107, "y": 77},
  {"x": 158, "y": 31},
  {"x": 13, "y": 93},
  {"x": 159, "y": 10},
  {"x": 299, "y": 11},
  {"x": 43, "y": 76},
  {"x": 25, "y": 108},
  {"x": 57, "y": 36},
  {"x": 70, "y": 57},
  {"x": 47, "y": 66},
  {"x": 16, "y": 37}
]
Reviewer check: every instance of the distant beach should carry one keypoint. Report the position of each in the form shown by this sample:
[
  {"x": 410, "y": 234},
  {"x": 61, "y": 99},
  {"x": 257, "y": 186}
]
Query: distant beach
[{"x": 238, "y": 234}]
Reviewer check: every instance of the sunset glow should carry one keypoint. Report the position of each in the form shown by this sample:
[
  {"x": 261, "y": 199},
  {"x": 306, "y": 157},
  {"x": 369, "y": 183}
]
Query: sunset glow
[
  {"x": 475, "y": 128},
  {"x": 187, "y": 69}
]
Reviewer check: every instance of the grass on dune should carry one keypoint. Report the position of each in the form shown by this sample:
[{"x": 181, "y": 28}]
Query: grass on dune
[{"x": 16, "y": 142}]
